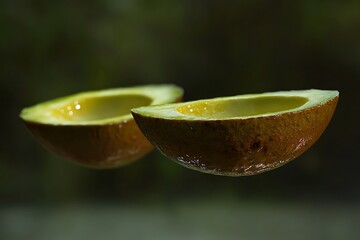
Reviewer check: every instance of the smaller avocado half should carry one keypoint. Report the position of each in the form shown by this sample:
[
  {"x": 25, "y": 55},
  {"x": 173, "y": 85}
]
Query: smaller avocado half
[
  {"x": 240, "y": 135},
  {"x": 96, "y": 128}
]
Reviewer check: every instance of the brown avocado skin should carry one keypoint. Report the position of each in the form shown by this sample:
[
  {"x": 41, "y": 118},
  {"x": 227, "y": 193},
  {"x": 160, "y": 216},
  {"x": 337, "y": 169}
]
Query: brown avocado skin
[
  {"x": 237, "y": 147},
  {"x": 97, "y": 146}
]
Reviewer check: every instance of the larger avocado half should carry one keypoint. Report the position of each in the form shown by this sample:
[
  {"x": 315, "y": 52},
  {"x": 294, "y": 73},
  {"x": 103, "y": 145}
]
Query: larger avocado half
[
  {"x": 241, "y": 135},
  {"x": 96, "y": 128}
]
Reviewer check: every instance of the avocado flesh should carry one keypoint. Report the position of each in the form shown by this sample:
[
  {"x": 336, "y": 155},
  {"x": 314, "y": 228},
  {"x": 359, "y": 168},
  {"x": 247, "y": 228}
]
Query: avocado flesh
[
  {"x": 92, "y": 109},
  {"x": 243, "y": 107},
  {"x": 100, "y": 107},
  {"x": 241, "y": 135},
  {"x": 96, "y": 128}
]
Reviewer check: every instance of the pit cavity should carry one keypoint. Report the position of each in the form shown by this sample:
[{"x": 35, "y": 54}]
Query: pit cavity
[
  {"x": 98, "y": 108},
  {"x": 241, "y": 107}
]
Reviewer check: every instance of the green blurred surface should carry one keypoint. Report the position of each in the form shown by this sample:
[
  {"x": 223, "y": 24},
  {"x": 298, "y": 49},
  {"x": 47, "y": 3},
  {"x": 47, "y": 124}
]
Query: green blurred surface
[
  {"x": 218, "y": 218},
  {"x": 211, "y": 48}
]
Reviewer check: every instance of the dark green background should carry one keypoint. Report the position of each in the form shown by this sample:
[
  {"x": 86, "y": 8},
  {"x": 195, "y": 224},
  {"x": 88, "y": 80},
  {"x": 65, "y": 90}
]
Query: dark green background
[{"x": 211, "y": 48}]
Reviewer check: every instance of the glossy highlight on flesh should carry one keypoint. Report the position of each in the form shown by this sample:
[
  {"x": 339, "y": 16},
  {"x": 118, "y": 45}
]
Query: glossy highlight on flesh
[
  {"x": 97, "y": 108},
  {"x": 244, "y": 107}
]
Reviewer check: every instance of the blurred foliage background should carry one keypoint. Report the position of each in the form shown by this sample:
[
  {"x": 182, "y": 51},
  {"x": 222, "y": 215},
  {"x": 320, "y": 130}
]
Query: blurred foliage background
[{"x": 211, "y": 48}]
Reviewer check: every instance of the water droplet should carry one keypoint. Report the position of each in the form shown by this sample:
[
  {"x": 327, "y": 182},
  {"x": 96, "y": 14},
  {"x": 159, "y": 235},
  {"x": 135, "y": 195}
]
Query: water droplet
[
  {"x": 260, "y": 165},
  {"x": 246, "y": 169}
]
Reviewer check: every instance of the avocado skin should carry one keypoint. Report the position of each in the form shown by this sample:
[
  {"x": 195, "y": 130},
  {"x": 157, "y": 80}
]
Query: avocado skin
[
  {"x": 96, "y": 146},
  {"x": 238, "y": 147}
]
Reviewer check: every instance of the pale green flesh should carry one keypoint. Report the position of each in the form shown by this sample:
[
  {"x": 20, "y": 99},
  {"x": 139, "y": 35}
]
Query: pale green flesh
[
  {"x": 240, "y": 107},
  {"x": 100, "y": 107}
]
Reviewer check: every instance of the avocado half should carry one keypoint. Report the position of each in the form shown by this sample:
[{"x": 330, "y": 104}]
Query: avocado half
[
  {"x": 240, "y": 135},
  {"x": 96, "y": 128}
]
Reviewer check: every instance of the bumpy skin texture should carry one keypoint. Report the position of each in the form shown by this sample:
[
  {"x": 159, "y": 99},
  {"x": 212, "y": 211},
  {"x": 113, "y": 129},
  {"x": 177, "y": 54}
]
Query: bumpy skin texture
[
  {"x": 239, "y": 146},
  {"x": 98, "y": 146}
]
